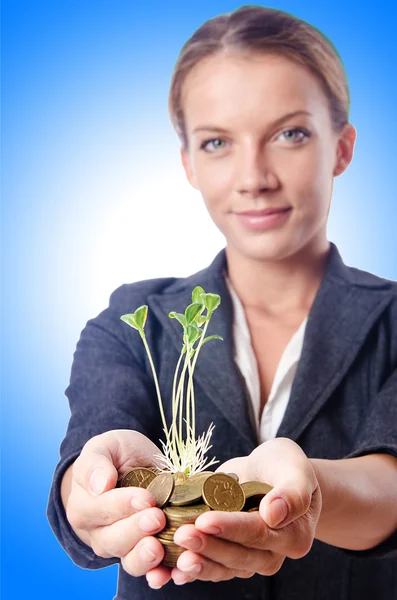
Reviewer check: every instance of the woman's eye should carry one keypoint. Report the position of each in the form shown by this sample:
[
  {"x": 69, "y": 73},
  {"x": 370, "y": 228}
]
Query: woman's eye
[
  {"x": 213, "y": 144},
  {"x": 303, "y": 134}
]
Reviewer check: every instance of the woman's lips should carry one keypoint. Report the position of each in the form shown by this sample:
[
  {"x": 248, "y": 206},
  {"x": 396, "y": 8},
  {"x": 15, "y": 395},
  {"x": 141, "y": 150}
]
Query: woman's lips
[{"x": 263, "y": 219}]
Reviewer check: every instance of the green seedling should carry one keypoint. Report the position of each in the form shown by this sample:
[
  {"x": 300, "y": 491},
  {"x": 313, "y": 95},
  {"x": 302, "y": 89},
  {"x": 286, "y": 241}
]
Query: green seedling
[{"x": 182, "y": 452}]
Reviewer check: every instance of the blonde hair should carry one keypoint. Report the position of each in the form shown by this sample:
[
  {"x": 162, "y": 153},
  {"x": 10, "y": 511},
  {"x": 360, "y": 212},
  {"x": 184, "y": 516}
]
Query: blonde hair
[{"x": 258, "y": 29}]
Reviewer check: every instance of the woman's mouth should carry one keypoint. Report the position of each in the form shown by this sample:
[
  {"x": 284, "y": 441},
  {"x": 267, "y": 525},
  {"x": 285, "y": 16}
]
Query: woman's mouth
[{"x": 263, "y": 219}]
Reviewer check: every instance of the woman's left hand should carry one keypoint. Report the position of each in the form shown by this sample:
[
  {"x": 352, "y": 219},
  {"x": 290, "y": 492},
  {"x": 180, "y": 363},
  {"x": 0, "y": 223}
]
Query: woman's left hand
[{"x": 223, "y": 545}]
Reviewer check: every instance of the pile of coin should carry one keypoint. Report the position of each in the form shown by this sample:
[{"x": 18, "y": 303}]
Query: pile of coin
[{"x": 183, "y": 499}]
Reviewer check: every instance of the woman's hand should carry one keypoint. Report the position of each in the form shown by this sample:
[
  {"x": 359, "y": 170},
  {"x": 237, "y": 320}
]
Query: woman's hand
[
  {"x": 223, "y": 545},
  {"x": 116, "y": 522}
]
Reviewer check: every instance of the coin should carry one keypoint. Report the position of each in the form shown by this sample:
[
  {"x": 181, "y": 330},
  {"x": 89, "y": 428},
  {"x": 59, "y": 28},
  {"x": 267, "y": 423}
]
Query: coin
[
  {"x": 161, "y": 487},
  {"x": 254, "y": 492},
  {"x": 179, "y": 477},
  {"x": 185, "y": 513},
  {"x": 137, "y": 477},
  {"x": 255, "y": 488},
  {"x": 199, "y": 477},
  {"x": 187, "y": 492},
  {"x": 234, "y": 475},
  {"x": 221, "y": 492}
]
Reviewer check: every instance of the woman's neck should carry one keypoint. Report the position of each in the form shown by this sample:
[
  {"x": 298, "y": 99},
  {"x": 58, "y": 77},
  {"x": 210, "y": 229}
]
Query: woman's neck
[{"x": 278, "y": 287}]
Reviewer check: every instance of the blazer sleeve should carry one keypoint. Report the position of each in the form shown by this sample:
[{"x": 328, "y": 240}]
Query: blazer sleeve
[
  {"x": 109, "y": 388},
  {"x": 379, "y": 435}
]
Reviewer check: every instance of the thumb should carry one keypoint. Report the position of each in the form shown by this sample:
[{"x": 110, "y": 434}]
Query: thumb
[
  {"x": 283, "y": 505},
  {"x": 94, "y": 469}
]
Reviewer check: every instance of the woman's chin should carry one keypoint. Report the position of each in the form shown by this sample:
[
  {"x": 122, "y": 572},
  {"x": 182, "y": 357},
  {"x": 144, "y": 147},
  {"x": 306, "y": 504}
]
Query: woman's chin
[{"x": 262, "y": 250}]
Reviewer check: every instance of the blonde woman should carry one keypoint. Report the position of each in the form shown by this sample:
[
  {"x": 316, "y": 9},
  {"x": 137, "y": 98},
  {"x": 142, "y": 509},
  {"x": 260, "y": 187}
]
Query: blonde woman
[{"x": 303, "y": 390}]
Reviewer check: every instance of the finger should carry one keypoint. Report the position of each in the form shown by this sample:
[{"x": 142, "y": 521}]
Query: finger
[
  {"x": 195, "y": 565},
  {"x": 229, "y": 554},
  {"x": 158, "y": 576},
  {"x": 250, "y": 530},
  {"x": 122, "y": 536},
  {"x": 245, "y": 528},
  {"x": 145, "y": 556},
  {"x": 85, "y": 512}
]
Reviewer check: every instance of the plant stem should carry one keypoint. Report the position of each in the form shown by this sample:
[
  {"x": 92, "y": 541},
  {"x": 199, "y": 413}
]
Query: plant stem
[
  {"x": 209, "y": 315},
  {"x": 179, "y": 402},
  {"x": 190, "y": 398},
  {"x": 156, "y": 383},
  {"x": 175, "y": 440}
]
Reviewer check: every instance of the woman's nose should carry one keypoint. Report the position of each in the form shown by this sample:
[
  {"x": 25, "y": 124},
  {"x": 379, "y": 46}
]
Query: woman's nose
[{"x": 254, "y": 172}]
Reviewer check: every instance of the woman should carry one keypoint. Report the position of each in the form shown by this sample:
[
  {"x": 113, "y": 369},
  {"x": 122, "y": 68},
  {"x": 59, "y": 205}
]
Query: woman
[{"x": 302, "y": 391}]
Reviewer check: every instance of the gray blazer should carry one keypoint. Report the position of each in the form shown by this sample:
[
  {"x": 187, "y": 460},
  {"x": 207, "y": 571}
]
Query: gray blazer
[{"x": 343, "y": 404}]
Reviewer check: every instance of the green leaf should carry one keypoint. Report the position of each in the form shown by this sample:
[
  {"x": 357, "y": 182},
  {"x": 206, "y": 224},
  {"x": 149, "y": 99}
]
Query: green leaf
[
  {"x": 179, "y": 317},
  {"x": 211, "y": 337},
  {"x": 192, "y": 311},
  {"x": 196, "y": 327},
  {"x": 130, "y": 320},
  {"x": 197, "y": 294},
  {"x": 140, "y": 316},
  {"x": 201, "y": 319},
  {"x": 192, "y": 334},
  {"x": 212, "y": 301}
]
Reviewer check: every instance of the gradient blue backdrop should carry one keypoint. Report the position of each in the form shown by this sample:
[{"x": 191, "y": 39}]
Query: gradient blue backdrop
[{"x": 85, "y": 120}]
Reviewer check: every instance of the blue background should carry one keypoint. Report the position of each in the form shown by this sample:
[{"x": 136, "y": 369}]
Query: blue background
[{"x": 85, "y": 136}]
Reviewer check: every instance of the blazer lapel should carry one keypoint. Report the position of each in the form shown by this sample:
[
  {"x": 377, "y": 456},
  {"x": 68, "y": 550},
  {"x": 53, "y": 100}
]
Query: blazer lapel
[
  {"x": 216, "y": 372},
  {"x": 347, "y": 305}
]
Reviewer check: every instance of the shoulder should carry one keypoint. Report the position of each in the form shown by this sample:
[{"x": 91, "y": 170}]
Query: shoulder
[{"x": 366, "y": 279}]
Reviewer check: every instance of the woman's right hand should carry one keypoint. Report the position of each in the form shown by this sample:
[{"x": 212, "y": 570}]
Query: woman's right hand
[{"x": 116, "y": 522}]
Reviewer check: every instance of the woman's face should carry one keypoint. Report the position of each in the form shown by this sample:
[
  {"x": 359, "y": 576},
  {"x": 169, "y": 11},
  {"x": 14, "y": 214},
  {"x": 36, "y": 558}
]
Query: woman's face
[{"x": 260, "y": 139}]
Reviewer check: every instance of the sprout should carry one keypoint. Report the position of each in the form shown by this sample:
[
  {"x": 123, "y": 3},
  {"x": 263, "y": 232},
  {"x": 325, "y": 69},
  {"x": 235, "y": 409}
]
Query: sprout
[{"x": 179, "y": 454}]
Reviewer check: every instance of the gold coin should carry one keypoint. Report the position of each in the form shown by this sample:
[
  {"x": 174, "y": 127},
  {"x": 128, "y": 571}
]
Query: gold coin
[
  {"x": 168, "y": 543},
  {"x": 254, "y": 492},
  {"x": 161, "y": 487},
  {"x": 221, "y": 492},
  {"x": 165, "y": 537},
  {"x": 187, "y": 514},
  {"x": 186, "y": 493},
  {"x": 255, "y": 488},
  {"x": 137, "y": 477},
  {"x": 179, "y": 477},
  {"x": 199, "y": 477}
]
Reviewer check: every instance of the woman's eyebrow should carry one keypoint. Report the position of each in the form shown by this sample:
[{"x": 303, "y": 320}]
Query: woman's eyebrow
[{"x": 276, "y": 122}]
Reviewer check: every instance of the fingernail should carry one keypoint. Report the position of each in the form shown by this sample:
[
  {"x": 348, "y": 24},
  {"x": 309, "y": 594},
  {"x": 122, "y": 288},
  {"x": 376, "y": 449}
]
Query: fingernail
[
  {"x": 146, "y": 554},
  {"x": 139, "y": 504},
  {"x": 278, "y": 510},
  {"x": 187, "y": 579},
  {"x": 193, "y": 568},
  {"x": 148, "y": 524},
  {"x": 212, "y": 529},
  {"x": 98, "y": 481}
]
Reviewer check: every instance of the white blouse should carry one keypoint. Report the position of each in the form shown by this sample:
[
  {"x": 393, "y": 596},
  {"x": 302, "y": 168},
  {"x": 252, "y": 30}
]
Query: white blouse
[{"x": 269, "y": 421}]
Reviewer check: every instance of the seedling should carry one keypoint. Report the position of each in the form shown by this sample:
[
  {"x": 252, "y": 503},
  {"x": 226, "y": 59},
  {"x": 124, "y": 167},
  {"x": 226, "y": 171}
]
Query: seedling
[{"x": 183, "y": 453}]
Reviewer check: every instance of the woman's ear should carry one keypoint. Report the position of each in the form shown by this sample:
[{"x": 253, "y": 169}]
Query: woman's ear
[
  {"x": 345, "y": 147},
  {"x": 188, "y": 167}
]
